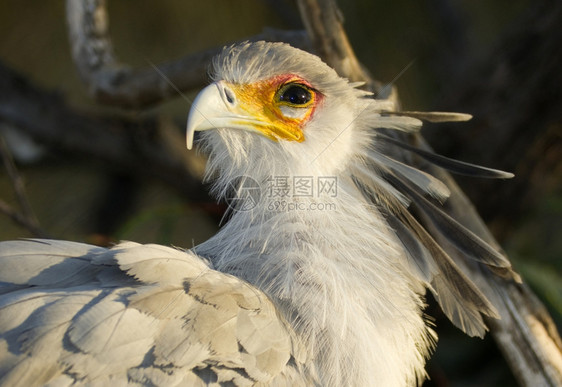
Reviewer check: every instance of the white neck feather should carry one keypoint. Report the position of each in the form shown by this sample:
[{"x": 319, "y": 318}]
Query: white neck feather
[{"x": 336, "y": 272}]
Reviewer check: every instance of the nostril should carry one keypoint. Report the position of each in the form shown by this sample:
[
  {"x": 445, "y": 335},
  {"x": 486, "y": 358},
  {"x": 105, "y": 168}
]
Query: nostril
[{"x": 229, "y": 96}]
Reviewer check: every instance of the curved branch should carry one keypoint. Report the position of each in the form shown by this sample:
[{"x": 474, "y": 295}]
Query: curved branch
[{"x": 116, "y": 84}]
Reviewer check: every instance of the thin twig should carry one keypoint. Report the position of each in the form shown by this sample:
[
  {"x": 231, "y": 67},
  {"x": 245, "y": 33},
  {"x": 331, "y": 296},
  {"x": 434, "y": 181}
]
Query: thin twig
[
  {"x": 17, "y": 218},
  {"x": 26, "y": 217}
]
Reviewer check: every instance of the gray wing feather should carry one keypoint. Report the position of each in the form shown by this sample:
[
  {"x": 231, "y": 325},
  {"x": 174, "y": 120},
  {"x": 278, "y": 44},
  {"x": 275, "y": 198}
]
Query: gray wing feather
[
  {"x": 133, "y": 315},
  {"x": 39, "y": 263}
]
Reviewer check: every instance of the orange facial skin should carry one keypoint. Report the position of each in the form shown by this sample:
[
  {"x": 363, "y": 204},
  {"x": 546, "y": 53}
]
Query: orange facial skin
[{"x": 261, "y": 101}]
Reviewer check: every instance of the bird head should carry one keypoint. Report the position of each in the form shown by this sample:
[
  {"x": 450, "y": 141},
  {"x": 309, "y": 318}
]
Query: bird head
[{"x": 276, "y": 110}]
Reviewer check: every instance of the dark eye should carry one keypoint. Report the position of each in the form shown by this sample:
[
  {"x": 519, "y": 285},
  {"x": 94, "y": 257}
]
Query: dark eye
[{"x": 295, "y": 95}]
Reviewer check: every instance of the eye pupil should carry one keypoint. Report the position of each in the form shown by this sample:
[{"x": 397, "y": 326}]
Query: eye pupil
[{"x": 295, "y": 95}]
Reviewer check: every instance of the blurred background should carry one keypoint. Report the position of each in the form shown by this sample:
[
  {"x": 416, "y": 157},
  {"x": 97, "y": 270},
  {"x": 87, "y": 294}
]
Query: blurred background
[{"x": 498, "y": 60}]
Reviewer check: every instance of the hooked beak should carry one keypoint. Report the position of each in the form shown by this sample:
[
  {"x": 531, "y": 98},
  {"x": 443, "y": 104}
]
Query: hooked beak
[{"x": 210, "y": 110}]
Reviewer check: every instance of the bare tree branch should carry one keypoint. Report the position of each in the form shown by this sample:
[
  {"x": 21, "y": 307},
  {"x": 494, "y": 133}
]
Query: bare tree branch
[
  {"x": 525, "y": 333},
  {"x": 113, "y": 83},
  {"x": 144, "y": 146},
  {"x": 324, "y": 24}
]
